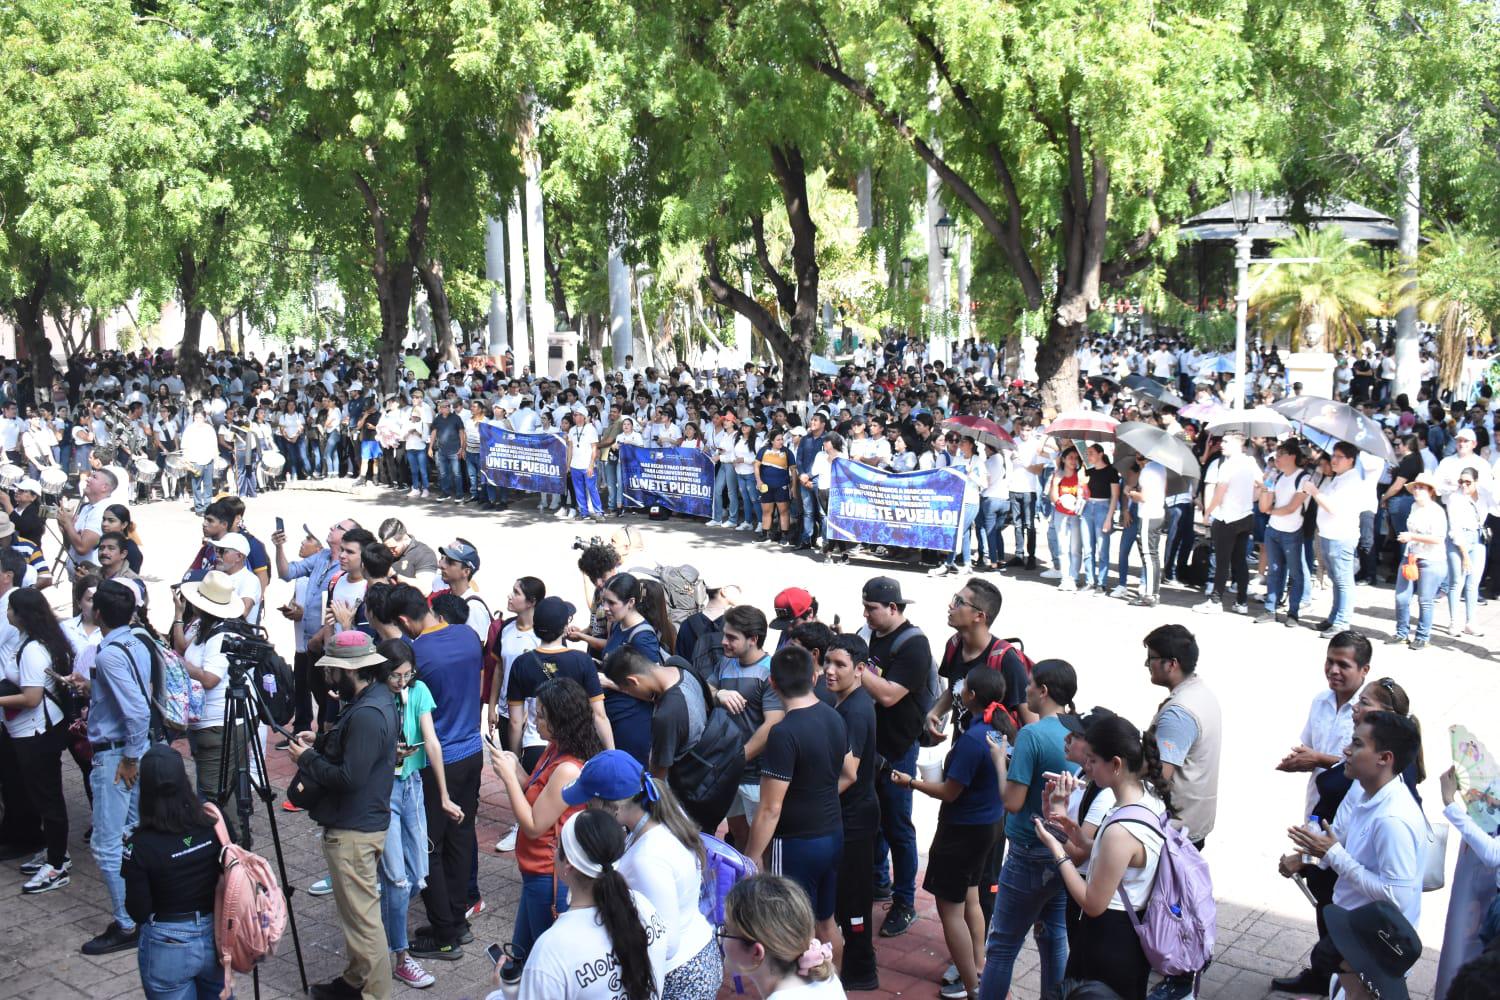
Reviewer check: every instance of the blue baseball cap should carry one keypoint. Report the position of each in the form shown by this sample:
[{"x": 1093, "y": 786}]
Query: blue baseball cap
[{"x": 611, "y": 775}]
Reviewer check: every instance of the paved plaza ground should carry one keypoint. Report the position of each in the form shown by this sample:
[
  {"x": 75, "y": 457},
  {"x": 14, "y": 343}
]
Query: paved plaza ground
[{"x": 1264, "y": 677}]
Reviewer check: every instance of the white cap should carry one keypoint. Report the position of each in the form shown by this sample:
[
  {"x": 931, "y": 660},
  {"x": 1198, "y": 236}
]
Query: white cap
[
  {"x": 30, "y": 485},
  {"x": 234, "y": 541}
]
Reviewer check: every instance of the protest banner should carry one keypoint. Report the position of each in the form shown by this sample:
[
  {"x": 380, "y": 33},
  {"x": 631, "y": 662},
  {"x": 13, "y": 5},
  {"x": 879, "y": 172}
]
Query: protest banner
[
  {"x": 679, "y": 479},
  {"x": 532, "y": 463},
  {"x": 913, "y": 510}
]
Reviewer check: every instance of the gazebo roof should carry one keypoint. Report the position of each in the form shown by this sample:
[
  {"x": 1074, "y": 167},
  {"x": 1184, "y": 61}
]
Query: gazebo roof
[{"x": 1272, "y": 222}]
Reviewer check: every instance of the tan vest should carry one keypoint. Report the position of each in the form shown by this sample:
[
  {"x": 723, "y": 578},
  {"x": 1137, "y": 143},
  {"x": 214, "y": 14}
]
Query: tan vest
[{"x": 1195, "y": 786}]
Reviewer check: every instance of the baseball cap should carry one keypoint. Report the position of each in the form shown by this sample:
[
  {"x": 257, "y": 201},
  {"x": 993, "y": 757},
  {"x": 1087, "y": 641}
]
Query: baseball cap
[
  {"x": 1467, "y": 432},
  {"x": 1078, "y": 724},
  {"x": 552, "y": 614},
  {"x": 791, "y": 604},
  {"x": 611, "y": 775},
  {"x": 883, "y": 590},
  {"x": 29, "y": 485},
  {"x": 235, "y": 542},
  {"x": 462, "y": 552}
]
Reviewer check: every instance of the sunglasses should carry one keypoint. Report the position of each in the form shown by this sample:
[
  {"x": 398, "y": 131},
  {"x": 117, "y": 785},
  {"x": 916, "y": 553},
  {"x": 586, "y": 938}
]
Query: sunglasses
[{"x": 1466, "y": 482}]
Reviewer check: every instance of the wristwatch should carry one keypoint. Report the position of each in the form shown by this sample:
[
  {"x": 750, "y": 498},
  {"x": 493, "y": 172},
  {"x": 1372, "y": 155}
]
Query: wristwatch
[{"x": 132, "y": 761}]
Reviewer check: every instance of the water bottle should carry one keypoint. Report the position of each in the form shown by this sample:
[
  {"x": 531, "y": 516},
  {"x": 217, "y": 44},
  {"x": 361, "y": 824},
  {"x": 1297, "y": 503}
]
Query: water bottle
[{"x": 1312, "y": 826}]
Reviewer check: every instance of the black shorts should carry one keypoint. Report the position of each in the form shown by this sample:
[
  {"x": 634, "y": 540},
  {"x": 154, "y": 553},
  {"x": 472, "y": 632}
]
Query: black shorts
[{"x": 957, "y": 859}]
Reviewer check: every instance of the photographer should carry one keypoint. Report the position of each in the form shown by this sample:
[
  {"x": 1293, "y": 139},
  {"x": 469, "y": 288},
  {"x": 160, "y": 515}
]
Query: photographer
[
  {"x": 81, "y": 528},
  {"x": 350, "y": 771},
  {"x": 204, "y": 610}
]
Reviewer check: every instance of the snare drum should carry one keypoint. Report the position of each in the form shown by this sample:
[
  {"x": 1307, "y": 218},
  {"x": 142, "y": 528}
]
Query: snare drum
[
  {"x": 272, "y": 462},
  {"x": 146, "y": 471},
  {"x": 54, "y": 481},
  {"x": 10, "y": 475},
  {"x": 179, "y": 466}
]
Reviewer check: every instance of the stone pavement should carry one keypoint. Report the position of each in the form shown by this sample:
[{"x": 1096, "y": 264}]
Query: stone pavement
[{"x": 1264, "y": 676}]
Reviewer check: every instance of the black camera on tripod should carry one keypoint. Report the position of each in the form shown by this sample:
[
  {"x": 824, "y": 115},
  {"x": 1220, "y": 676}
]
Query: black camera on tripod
[{"x": 254, "y": 663}]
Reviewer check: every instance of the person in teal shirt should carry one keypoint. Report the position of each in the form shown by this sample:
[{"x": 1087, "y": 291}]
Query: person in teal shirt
[
  {"x": 403, "y": 865},
  {"x": 1031, "y": 893}
]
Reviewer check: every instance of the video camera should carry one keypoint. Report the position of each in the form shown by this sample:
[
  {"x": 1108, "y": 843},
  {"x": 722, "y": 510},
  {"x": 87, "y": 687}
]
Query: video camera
[
  {"x": 254, "y": 664},
  {"x": 580, "y": 544}
]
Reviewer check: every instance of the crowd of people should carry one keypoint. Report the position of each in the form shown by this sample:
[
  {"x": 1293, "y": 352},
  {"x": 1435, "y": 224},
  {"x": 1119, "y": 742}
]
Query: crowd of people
[{"x": 623, "y": 731}]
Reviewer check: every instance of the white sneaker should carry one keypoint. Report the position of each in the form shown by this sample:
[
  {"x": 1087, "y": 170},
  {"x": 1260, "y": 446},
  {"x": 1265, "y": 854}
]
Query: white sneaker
[
  {"x": 541, "y": 504},
  {"x": 414, "y": 493},
  {"x": 322, "y": 887},
  {"x": 1119, "y": 591},
  {"x": 45, "y": 880},
  {"x": 39, "y": 861},
  {"x": 744, "y": 527},
  {"x": 1087, "y": 588},
  {"x": 941, "y": 569},
  {"x": 507, "y": 843},
  {"x": 425, "y": 494},
  {"x": 1068, "y": 586},
  {"x": 1209, "y": 607},
  {"x": 1051, "y": 574},
  {"x": 1241, "y": 609}
]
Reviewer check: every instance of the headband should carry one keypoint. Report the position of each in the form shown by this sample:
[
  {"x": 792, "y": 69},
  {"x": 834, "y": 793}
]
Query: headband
[{"x": 576, "y": 855}]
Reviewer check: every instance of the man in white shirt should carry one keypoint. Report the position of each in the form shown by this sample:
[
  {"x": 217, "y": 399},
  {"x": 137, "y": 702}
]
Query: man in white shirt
[
  {"x": 82, "y": 528},
  {"x": 1378, "y": 841},
  {"x": 200, "y": 446},
  {"x": 1330, "y": 720},
  {"x": 234, "y": 552},
  {"x": 583, "y": 452},
  {"x": 1162, "y": 362},
  {"x": 1339, "y": 501},
  {"x": 1231, "y": 508},
  {"x": 1024, "y": 486},
  {"x": 1284, "y": 501}
]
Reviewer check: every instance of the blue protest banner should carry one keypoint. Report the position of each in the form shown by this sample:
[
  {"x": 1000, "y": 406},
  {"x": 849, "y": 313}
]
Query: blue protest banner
[
  {"x": 679, "y": 479},
  {"x": 914, "y": 510},
  {"x": 532, "y": 463}
]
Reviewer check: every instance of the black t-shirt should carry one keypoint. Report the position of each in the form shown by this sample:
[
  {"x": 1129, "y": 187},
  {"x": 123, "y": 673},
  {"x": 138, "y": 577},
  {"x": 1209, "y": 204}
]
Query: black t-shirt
[
  {"x": 534, "y": 668},
  {"x": 806, "y": 749},
  {"x": 678, "y": 719},
  {"x": 1410, "y": 467},
  {"x": 859, "y": 805},
  {"x": 955, "y": 668},
  {"x": 898, "y": 726},
  {"x": 170, "y": 872},
  {"x": 1100, "y": 480}
]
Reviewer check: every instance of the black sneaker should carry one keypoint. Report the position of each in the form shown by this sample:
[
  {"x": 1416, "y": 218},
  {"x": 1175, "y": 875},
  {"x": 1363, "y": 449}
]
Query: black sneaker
[
  {"x": 465, "y": 936},
  {"x": 112, "y": 940},
  {"x": 1031, "y": 562},
  {"x": 1015, "y": 562},
  {"x": 427, "y": 946},
  {"x": 337, "y": 988},
  {"x": 898, "y": 919}
]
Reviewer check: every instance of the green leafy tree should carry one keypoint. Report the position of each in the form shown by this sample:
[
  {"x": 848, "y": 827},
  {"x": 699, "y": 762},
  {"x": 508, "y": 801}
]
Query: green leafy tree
[
  {"x": 1323, "y": 303},
  {"x": 1458, "y": 291}
]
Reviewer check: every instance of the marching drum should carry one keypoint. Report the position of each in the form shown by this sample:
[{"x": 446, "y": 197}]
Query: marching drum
[
  {"x": 179, "y": 466},
  {"x": 272, "y": 462},
  {"x": 10, "y": 475},
  {"x": 146, "y": 471},
  {"x": 54, "y": 481}
]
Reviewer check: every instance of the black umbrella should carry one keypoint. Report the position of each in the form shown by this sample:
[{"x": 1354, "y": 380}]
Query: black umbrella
[
  {"x": 1339, "y": 421},
  {"x": 1157, "y": 445},
  {"x": 1154, "y": 390}
]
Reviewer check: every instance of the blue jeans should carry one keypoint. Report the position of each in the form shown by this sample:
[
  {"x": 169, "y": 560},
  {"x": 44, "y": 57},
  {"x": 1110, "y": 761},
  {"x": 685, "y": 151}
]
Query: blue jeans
[
  {"x": 965, "y": 534},
  {"x": 993, "y": 513},
  {"x": 1128, "y": 535},
  {"x": 81, "y": 453},
  {"x": 1430, "y": 577},
  {"x": 750, "y": 502},
  {"x": 331, "y": 454},
  {"x": 1096, "y": 542},
  {"x": 612, "y": 482},
  {"x": 725, "y": 484},
  {"x": 1397, "y": 512},
  {"x": 1031, "y": 898},
  {"x": 1065, "y": 539},
  {"x": 450, "y": 478},
  {"x": 1180, "y": 537},
  {"x": 586, "y": 492},
  {"x": 116, "y": 812},
  {"x": 534, "y": 911},
  {"x": 1023, "y": 516},
  {"x": 177, "y": 960},
  {"x": 403, "y": 863},
  {"x": 1458, "y": 580},
  {"x": 1284, "y": 561},
  {"x": 296, "y": 457},
  {"x": 897, "y": 839},
  {"x": 475, "y": 464},
  {"x": 1339, "y": 557},
  {"x": 812, "y": 510},
  {"x": 203, "y": 486},
  {"x": 416, "y": 461}
]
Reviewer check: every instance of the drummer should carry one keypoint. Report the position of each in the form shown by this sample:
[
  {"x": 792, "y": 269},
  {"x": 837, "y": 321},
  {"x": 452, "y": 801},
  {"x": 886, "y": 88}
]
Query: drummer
[
  {"x": 38, "y": 573},
  {"x": 25, "y": 512}
]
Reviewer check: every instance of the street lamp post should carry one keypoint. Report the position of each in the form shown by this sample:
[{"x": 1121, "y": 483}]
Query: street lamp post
[
  {"x": 1243, "y": 206},
  {"x": 945, "y": 232}
]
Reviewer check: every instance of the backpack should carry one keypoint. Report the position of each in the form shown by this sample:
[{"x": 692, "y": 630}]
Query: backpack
[
  {"x": 178, "y": 698},
  {"x": 1177, "y": 932},
  {"x": 686, "y": 594},
  {"x": 270, "y": 674},
  {"x": 723, "y": 866},
  {"x": 249, "y": 906},
  {"x": 704, "y": 771},
  {"x": 929, "y": 695},
  {"x": 995, "y": 661}
]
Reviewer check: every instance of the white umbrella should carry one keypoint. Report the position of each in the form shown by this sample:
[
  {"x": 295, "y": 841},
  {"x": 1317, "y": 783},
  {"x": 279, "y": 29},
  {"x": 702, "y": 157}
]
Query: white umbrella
[{"x": 1259, "y": 421}]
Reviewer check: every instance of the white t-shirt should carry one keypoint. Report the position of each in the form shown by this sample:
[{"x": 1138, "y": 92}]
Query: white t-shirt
[
  {"x": 209, "y": 657},
  {"x": 1240, "y": 474},
  {"x": 90, "y": 517},
  {"x": 575, "y": 960},
  {"x": 351, "y": 592},
  {"x": 30, "y": 671},
  {"x": 1343, "y": 494},
  {"x": 247, "y": 584},
  {"x": 1153, "y": 486},
  {"x": 514, "y": 641},
  {"x": 1021, "y": 478},
  {"x": 583, "y": 438},
  {"x": 827, "y": 989},
  {"x": 658, "y": 866},
  {"x": 1285, "y": 489}
]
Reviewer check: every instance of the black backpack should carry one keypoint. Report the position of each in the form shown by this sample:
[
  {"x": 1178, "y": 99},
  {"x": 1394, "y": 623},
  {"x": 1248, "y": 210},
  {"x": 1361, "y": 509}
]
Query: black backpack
[
  {"x": 270, "y": 674},
  {"x": 703, "y": 772}
]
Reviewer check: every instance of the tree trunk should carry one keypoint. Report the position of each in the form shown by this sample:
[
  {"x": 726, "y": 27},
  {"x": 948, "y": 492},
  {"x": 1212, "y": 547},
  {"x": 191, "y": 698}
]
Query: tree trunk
[
  {"x": 563, "y": 319},
  {"x": 31, "y": 321},
  {"x": 190, "y": 356},
  {"x": 431, "y": 276},
  {"x": 226, "y": 335},
  {"x": 1057, "y": 366},
  {"x": 394, "y": 278}
]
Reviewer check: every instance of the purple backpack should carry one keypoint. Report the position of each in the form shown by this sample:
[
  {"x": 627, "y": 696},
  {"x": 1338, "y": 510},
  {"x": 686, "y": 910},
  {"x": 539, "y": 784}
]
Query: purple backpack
[
  {"x": 723, "y": 867},
  {"x": 1177, "y": 932}
]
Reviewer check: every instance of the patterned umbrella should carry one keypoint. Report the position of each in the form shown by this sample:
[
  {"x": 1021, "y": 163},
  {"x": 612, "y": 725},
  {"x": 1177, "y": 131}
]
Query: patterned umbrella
[
  {"x": 986, "y": 432},
  {"x": 1082, "y": 425},
  {"x": 1202, "y": 411},
  {"x": 1339, "y": 421}
]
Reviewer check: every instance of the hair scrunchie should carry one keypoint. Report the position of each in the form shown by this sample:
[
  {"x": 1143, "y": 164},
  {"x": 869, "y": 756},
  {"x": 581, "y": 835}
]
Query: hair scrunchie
[{"x": 816, "y": 954}]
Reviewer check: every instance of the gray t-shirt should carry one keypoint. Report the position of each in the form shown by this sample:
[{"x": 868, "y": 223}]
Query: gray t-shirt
[
  {"x": 678, "y": 720},
  {"x": 753, "y": 683}
]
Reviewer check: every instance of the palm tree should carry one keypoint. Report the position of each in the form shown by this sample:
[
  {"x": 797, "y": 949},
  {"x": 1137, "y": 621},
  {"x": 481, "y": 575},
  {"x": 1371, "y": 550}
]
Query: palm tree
[
  {"x": 1334, "y": 295},
  {"x": 1457, "y": 291}
]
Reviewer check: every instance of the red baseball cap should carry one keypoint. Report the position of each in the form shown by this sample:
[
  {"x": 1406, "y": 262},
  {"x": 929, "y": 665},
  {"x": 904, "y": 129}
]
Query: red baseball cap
[{"x": 791, "y": 604}]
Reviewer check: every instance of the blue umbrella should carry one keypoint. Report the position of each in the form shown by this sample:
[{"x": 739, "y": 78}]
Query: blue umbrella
[{"x": 1221, "y": 365}]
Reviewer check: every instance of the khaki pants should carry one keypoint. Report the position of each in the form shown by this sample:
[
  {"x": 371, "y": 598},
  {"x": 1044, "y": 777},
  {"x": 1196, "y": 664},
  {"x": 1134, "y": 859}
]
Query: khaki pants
[{"x": 353, "y": 862}]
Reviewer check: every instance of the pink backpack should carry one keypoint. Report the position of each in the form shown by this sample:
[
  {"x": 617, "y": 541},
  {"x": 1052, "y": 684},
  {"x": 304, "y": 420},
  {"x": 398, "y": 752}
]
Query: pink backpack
[{"x": 249, "y": 907}]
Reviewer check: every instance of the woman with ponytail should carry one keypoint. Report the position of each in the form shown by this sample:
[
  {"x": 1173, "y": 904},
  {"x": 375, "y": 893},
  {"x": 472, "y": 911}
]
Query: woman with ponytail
[
  {"x": 768, "y": 938},
  {"x": 663, "y": 861},
  {"x": 610, "y": 943},
  {"x": 969, "y": 821},
  {"x": 1102, "y": 943}
]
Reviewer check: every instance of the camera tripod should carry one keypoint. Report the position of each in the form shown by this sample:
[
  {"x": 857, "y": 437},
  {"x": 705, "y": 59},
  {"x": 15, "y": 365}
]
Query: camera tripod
[{"x": 242, "y": 715}]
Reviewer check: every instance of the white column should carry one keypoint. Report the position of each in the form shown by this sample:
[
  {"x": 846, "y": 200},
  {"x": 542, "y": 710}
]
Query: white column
[
  {"x": 516, "y": 290},
  {"x": 1408, "y": 223},
  {"x": 542, "y": 319},
  {"x": 621, "y": 338},
  {"x": 494, "y": 271}
]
